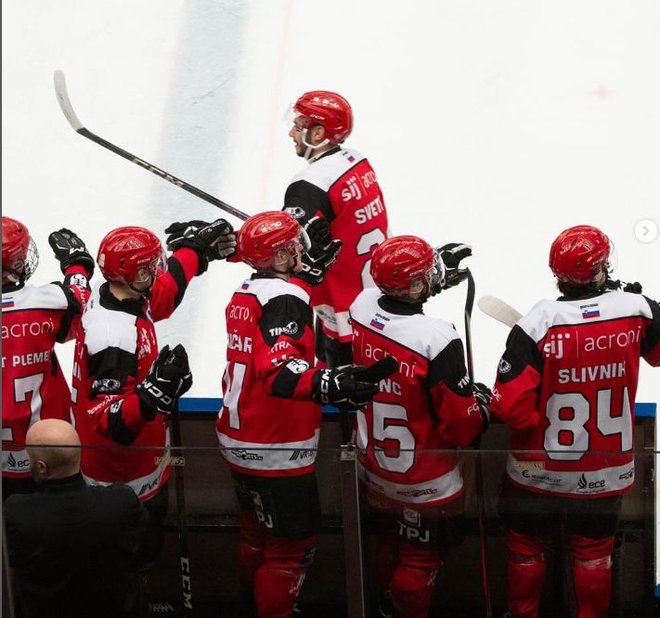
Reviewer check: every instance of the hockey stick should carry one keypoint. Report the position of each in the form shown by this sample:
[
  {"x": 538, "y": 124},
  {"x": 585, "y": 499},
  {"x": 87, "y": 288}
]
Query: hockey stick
[
  {"x": 186, "y": 579},
  {"x": 478, "y": 476},
  {"x": 78, "y": 127},
  {"x": 498, "y": 309}
]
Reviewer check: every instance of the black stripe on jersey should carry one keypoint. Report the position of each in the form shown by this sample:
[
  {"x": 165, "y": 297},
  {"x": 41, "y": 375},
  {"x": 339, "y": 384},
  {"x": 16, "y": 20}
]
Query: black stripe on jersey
[
  {"x": 652, "y": 335},
  {"x": 521, "y": 351},
  {"x": 118, "y": 431},
  {"x": 449, "y": 367},
  {"x": 109, "y": 369},
  {"x": 285, "y": 315},
  {"x": 303, "y": 200},
  {"x": 72, "y": 310},
  {"x": 284, "y": 384},
  {"x": 176, "y": 270}
]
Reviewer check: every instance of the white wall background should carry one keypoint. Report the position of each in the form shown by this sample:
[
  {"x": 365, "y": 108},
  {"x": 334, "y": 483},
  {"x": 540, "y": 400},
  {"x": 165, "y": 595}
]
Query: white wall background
[{"x": 495, "y": 123}]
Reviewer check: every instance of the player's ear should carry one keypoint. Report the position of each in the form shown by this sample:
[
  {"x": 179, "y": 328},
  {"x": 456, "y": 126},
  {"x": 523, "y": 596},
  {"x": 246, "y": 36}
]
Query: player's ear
[
  {"x": 416, "y": 287},
  {"x": 317, "y": 133}
]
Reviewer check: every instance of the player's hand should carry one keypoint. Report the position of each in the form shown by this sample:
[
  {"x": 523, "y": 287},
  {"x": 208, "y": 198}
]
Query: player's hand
[
  {"x": 211, "y": 241},
  {"x": 69, "y": 249},
  {"x": 168, "y": 379},
  {"x": 350, "y": 386},
  {"x": 452, "y": 253},
  {"x": 483, "y": 395},
  {"x": 322, "y": 253}
]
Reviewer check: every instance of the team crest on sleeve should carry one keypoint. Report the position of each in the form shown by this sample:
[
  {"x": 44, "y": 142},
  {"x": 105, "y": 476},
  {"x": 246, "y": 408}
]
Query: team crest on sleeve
[
  {"x": 504, "y": 366},
  {"x": 295, "y": 365}
]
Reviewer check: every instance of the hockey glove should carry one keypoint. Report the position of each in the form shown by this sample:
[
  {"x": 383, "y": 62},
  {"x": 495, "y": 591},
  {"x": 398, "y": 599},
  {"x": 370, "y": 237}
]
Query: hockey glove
[
  {"x": 69, "y": 249},
  {"x": 453, "y": 252},
  {"x": 350, "y": 386},
  {"x": 168, "y": 379},
  {"x": 211, "y": 241},
  {"x": 322, "y": 253},
  {"x": 483, "y": 395},
  {"x": 633, "y": 288}
]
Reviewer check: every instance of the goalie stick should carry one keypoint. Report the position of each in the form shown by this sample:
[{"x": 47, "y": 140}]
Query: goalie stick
[
  {"x": 67, "y": 109},
  {"x": 478, "y": 478},
  {"x": 499, "y": 310}
]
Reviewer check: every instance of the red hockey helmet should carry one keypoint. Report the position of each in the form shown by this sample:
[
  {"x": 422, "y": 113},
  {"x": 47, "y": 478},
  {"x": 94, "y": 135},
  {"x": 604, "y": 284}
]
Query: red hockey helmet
[
  {"x": 401, "y": 260},
  {"x": 19, "y": 252},
  {"x": 330, "y": 110},
  {"x": 578, "y": 254},
  {"x": 263, "y": 235},
  {"x": 125, "y": 251}
]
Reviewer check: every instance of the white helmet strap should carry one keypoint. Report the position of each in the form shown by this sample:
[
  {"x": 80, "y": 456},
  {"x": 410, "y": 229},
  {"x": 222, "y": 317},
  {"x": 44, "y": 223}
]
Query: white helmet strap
[{"x": 311, "y": 147}]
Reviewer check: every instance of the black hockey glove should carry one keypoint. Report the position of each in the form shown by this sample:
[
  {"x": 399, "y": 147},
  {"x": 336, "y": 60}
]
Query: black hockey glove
[
  {"x": 211, "y": 241},
  {"x": 452, "y": 253},
  {"x": 168, "y": 379},
  {"x": 634, "y": 288},
  {"x": 483, "y": 395},
  {"x": 350, "y": 386},
  {"x": 69, "y": 249},
  {"x": 322, "y": 253}
]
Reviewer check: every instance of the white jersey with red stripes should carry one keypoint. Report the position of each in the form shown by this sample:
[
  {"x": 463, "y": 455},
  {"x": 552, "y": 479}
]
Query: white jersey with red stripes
[
  {"x": 566, "y": 385},
  {"x": 427, "y": 405}
]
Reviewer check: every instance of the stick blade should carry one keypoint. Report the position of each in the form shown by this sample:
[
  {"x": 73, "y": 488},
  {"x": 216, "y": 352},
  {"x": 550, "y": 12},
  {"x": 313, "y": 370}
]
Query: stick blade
[
  {"x": 64, "y": 101},
  {"x": 380, "y": 370},
  {"x": 499, "y": 310}
]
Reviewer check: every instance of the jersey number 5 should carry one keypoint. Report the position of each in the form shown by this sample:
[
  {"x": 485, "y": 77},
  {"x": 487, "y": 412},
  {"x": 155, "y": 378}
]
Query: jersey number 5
[{"x": 393, "y": 443}]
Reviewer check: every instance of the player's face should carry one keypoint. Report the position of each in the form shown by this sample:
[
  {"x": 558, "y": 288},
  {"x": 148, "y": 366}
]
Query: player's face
[{"x": 296, "y": 135}]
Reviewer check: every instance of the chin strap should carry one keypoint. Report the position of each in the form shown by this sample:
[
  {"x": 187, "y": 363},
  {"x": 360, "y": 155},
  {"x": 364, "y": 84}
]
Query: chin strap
[{"x": 311, "y": 147}]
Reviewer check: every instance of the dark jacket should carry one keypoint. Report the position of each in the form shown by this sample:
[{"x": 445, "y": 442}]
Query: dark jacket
[{"x": 73, "y": 548}]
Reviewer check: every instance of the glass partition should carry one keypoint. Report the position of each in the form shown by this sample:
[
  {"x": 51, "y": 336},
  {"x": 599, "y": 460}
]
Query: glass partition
[{"x": 353, "y": 562}]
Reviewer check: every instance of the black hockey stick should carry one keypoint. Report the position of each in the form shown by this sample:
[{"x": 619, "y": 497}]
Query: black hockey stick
[
  {"x": 186, "y": 579},
  {"x": 78, "y": 127},
  {"x": 478, "y": 476}
]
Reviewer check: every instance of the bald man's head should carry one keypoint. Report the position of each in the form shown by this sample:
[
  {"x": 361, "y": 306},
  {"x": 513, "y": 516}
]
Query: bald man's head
[{"x": 53, "y": 447}]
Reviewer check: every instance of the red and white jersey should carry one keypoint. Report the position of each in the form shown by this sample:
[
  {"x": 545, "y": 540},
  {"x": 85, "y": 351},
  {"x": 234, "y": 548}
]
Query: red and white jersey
[
  {"x": 426, "y": 405},
  {"x": 341, "y": 185},
  {"x": 34, "y": 318},
  {"x": 566, "y": 386},
  {"x": 115, "y": 347},
  {"x": 269, "y": 426}
]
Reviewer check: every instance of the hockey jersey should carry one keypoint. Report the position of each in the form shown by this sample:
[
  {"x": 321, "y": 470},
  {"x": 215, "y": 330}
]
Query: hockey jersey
[
  {"x": 115, "y": 347},
  {"x": 427, "y": 405},
  {"x": 566, "y": 386},
  {"x": 341, "y": 185},
  {"x": 269, "y": 426},
  {"x": 34, "y": 318}
]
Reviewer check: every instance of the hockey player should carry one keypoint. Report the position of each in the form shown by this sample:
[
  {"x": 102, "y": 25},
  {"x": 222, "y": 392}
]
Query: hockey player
[
  {"x": 566, "y": 387},
  {"x": 340, "y": 185},
  {"x": 416, "y": 497},
  {"x": 269, "y": 425},
  {"x": 124, "y": 390},
  {"x": 34, "y": 318}
]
